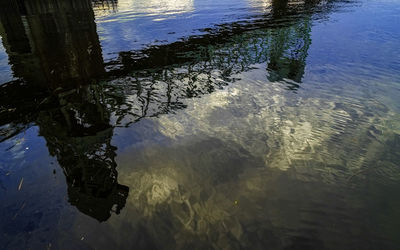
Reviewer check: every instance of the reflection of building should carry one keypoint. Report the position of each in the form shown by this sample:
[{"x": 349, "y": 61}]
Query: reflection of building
[{"x": 51, "y": 43}]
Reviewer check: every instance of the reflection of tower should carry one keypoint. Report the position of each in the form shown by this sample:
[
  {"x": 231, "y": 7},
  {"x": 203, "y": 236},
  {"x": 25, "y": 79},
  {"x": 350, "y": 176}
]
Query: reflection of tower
[
  {"x": 51, "y": 44},
  {"x": 78, "y": 133},
  {"x": 289, "y": 45}
]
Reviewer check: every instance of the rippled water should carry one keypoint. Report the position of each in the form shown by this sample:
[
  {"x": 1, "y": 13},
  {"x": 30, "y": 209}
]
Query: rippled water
[{"x": 243, "y": 124}]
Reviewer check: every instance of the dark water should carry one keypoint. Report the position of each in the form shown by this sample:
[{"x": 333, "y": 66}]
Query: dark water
[{"x": 198, "y": 124}]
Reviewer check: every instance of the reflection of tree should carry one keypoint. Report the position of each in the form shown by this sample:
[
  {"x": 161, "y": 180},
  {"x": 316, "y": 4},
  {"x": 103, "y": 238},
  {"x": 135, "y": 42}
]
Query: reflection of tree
[
  {"x": 155, "y": 80},
  {"x": 288, "y": 56},
  {"x": 288, "y": 60},
  {"x": 160, "y": 78}
]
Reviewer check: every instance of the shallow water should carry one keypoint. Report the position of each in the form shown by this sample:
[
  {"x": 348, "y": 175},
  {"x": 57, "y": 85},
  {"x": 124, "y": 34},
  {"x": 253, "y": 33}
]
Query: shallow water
[{"x": 199, "y": 124}]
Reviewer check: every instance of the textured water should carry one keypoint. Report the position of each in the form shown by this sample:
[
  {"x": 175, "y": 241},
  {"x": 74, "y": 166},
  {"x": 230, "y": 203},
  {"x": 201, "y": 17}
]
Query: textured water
[{"x": 199, "y": 124}]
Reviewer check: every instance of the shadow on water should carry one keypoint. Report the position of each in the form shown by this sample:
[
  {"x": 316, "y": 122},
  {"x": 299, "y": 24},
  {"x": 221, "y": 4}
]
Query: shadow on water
[{"x": 76, "y": 99}]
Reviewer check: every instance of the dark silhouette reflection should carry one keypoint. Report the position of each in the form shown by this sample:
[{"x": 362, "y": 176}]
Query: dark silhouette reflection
[
  {"x": 78, "y": 133},
  {"x": 288, "y": 62},
  {"x": 54, "y": 50},
  {"x": 51, "y": 44}
]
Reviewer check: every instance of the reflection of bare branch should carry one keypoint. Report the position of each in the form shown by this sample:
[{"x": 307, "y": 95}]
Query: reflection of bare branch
[{"x": 151, "y": 92}]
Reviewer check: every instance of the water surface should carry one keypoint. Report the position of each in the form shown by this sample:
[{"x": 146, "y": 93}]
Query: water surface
[{"x": 199, "y": 124}]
